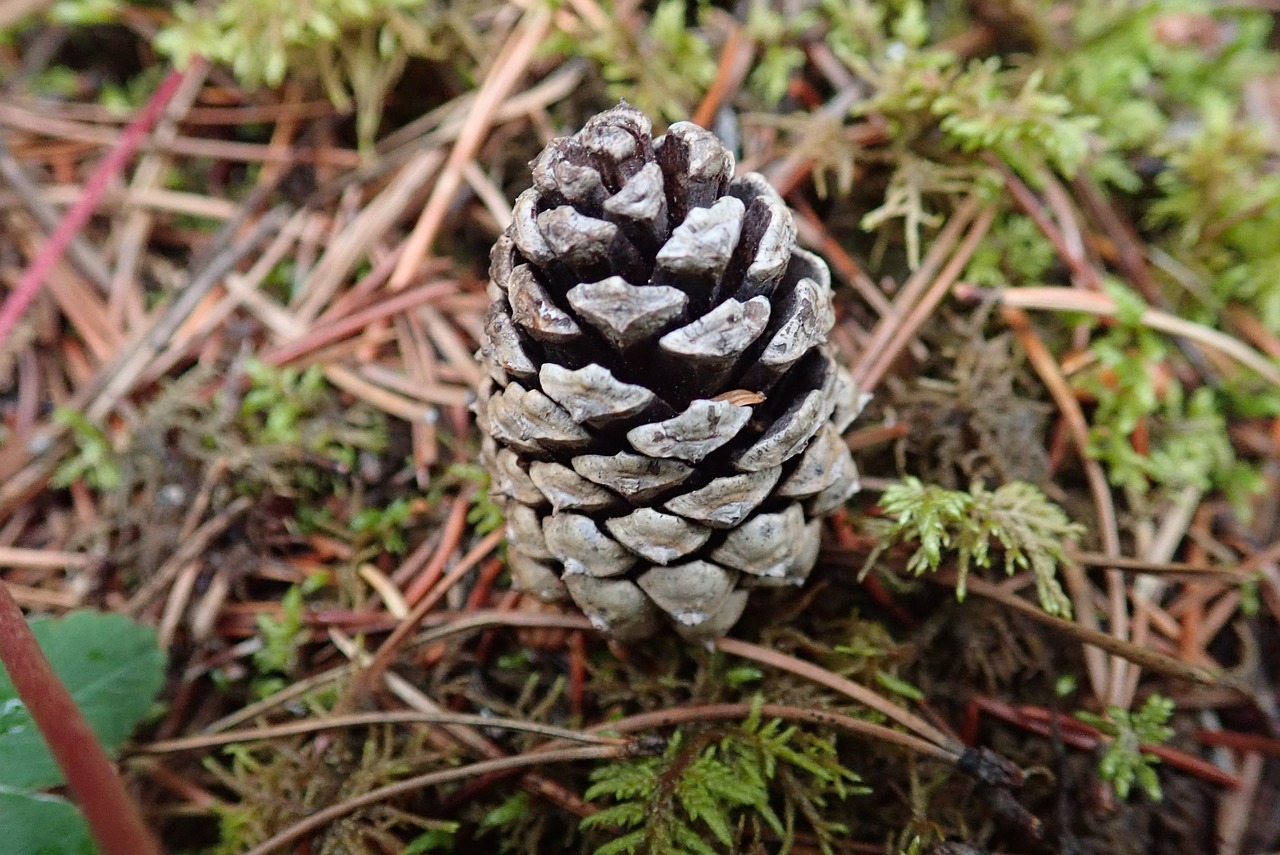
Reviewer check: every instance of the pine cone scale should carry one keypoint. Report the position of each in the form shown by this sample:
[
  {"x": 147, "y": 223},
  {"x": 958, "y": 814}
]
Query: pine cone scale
[
  {"x": 625, "y": 314},
  {"x": 663, "y": 415},
  {"x": 658, "y": 537}
]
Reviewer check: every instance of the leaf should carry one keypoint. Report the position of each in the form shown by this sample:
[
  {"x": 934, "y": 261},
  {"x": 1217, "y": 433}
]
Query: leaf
[
  {"x": 698, "y": 791},
  {"x": 744, "y": 674},
  {"x": 37, "y": 824},
  {"x": 693, "y": 844},
  {"x": 113, "y": 670}
]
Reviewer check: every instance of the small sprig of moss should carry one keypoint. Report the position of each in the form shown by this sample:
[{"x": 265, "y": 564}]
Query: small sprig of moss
[
  {"x": 1123, "y": 762},
  {"x": 1125, "y": 64},
  {"x": 1221, "y": 199},
  {"x": 1031, "y": 531},
  {"x": 283, "y": 636},
  {"x": 95, "y": 460},
  {"x": 289, "y": 407},
  {"x": 485, "y": 514},
  {"x": 1014, "y": 251},
  {"x": 1010, "y": 114},
  {"x": 386, "y": 524},
  {"x": 277, "y": 783},
  {"x": 779, "y": 54}
]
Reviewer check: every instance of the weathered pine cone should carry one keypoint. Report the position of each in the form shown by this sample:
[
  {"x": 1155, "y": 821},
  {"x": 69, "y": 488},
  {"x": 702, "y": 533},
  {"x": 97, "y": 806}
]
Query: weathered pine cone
[{"x": 664, "y": 420}]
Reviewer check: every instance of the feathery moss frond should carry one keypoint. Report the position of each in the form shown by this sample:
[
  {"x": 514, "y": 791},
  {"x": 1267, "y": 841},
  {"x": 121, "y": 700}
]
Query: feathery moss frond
[
  {"x": 705, "y": 797},
  {"x": 1029, "y": 528}
]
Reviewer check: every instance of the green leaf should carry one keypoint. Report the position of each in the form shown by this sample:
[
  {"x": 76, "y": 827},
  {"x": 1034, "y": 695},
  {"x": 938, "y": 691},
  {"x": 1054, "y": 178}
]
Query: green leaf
[
  {"x": 624, "y": 780},
  {"x": 113, "y": 670},
  {"x": 698, "y": 793},
  {"x": 689, "y": 841},
  {"x": 95, "y": 459},
  {"x": 85, "y": 12},
  {"x": 37, "y": 824}
]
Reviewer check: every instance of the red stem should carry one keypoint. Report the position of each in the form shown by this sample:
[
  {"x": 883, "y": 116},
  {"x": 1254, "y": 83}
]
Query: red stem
[
  {"x": 112, "y": 815},
  {"x": 78, "y": 214}
]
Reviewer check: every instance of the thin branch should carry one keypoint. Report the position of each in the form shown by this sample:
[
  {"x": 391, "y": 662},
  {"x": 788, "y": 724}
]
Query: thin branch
[
  {"x": 844, "y": 686},
  {"x": 1074, "y": 300},
  {"x": 298, "y": 728},
  {"x": 113, "y": 817},
  {"x": 1106, "y": 682},
  {"x": 1164, "y": 568},
  {"x": 830, "y": 718}
]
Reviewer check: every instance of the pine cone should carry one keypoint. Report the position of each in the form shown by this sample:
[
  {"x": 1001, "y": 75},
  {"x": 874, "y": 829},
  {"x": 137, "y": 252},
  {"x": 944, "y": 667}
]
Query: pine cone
[{"x": 664, "y": 419}]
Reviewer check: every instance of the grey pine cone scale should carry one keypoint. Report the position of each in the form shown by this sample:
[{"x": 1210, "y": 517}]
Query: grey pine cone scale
[{"x": 663, "y": 415}]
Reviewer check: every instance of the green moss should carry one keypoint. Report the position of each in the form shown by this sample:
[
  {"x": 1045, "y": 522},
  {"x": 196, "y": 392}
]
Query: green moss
[
  {"x": 709, "y": 796},
  {"x": 1123, "y": 762},
  {"x": 1026, "y": 526},
  {"x": 355, "y": 49}
]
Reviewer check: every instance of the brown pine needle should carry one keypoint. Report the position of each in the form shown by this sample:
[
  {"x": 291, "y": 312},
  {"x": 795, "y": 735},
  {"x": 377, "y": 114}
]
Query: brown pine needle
[
  {"x": 1091, "y": 303},
  {"x": 844, "y": 686},
  {"x": 338, "y": 722},
  {"x": 828, "y": 718},
  {"x": 510, "y": 64}
]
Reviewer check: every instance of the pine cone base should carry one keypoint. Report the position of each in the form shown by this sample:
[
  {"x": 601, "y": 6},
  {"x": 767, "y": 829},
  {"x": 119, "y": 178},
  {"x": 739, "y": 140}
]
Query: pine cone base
[{"x": 663, "y": 416}]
